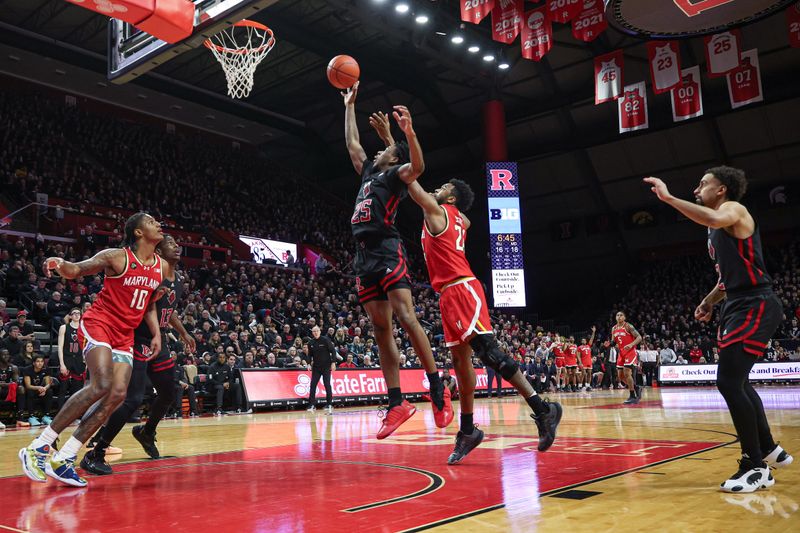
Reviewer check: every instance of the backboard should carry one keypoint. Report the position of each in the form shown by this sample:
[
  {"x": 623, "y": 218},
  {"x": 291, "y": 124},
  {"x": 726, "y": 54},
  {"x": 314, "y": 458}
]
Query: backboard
[{"x": 132, "y": 52}]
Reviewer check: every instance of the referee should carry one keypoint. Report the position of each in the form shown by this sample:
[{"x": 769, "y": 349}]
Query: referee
[{"x": 323, "y": 361}]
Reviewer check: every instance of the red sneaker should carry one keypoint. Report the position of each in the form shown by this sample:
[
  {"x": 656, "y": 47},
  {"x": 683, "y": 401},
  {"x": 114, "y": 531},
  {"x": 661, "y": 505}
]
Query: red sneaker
[
  {"x": 395, "y": 417},
  {"x": 445, "y": 416}
]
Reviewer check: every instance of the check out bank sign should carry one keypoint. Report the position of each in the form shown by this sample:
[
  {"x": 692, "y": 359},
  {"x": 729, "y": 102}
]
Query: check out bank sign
[{"x": 760, "y": 372}]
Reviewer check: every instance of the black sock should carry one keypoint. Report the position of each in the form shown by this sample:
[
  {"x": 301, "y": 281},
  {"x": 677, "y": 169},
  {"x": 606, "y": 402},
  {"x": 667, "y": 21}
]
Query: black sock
[
  {"x": 536, "y": 404},
  {"x": 467, "y": 425},
  {"x": 101, "y": 446},
  {"x": 395, "y": 397},
  {"x": 437, "y": 387}
]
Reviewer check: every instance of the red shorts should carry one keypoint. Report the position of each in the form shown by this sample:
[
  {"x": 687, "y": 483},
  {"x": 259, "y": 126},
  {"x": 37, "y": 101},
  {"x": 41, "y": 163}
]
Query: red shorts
[
  {"x": 629, "y": 358},
  {"x": 559, "y": 362},
  {"x": 571, "y": 360},
  {"x": 587, "y": 362},
  {"x": 464, "y": 311},
  {"x": 93, "y": 333}
]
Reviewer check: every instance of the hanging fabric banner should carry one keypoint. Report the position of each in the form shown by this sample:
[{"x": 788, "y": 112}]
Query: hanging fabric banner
[
  {"x": 744, "y": 82},
  {"x": 665, "y": 65},
  {"x": 687, "y": 97},
  {"x": 590, "y": 22},
  {"x": 608, "y": 77},
  {"x": 633, "y": 108},
  {"x": 722, "y": 52},
  {"x": 506, "y": 20},
  {"x": 536, "y": 34},
  {"x": 564, "y": 10},
  {"x": 475, "y": 11},
  {"x": 793, "y": 24}
]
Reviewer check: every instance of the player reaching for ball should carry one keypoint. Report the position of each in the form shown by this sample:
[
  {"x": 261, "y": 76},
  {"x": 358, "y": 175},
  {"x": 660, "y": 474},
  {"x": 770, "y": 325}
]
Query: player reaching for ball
[{"x": 380, "y": 263}]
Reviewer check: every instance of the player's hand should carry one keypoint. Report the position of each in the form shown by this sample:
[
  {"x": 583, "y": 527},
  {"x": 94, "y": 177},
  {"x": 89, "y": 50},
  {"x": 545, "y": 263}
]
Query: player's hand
[
  {"x": 184, "y": 385},
  {"x": 703, "y": 312},
  {"x": 63, "y": 370},
  {"x": 627, "y": 347},
  {"x": 226, "y": 386},
  {"x": 403, "y": 118},
  {"x": 594, "y": 329},
  {"x": 380, "y": 123},
  {"x": 349, "y": 95},
  {"x": 659, "y": 187},
  {"x": 188, "y": 342},
  {"x": 52, "y": 264},
  {"x": 155, "y": 347}
]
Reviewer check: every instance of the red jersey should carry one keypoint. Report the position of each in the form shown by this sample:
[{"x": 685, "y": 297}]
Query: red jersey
[
  {"x": 571, "y": 354},
  {"x": 623, "y": 337},
  {"x": 560, "y": 350},
  {"x": 444, "y": 252},
  {"x": 124, "y": 298},
  {"x": 586, "y": 354}
]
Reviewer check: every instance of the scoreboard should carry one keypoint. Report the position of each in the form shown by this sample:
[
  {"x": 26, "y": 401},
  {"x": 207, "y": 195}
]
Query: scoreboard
[{"x": 505, "y": 235}]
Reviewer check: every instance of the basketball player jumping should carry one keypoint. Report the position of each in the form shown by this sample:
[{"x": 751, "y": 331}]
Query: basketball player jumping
[
  {"x": 380, "y": 263},
  {"x": 158, "y": 367},
  {"x": 627, "y": 338},
  {"x": 133, "y": 273},
  {"x": 748, "y": 318},
  {"x": 465, "y": 314}
]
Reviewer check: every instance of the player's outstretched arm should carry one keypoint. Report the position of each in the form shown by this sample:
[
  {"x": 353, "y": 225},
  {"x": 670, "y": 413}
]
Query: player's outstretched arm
[
  {"x": 380, "y": 123},
  {"x": 414, "y": 169},
  {"x": 351, "y": 137},
  {"x": 433, "y": 212},
  {"x": 726, "y": 216},
  {"x": 112, "y": 260}
]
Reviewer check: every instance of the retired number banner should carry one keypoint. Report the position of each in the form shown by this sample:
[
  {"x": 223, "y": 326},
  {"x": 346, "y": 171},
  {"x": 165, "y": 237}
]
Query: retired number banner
[
  {"x": 665, "y": 65},
  {"x": 633, "y": 108},
  {"x": 744, "y": 82},
  {"x": 608, "y": 77},
  {"x": 793, "y": 24},
  {"x": 722, "y": 52},
  {"x": 687, "y": 97}
]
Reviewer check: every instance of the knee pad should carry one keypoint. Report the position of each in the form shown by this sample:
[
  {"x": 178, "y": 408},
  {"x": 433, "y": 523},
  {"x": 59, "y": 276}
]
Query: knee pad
[{"x": 487, "y": 350}]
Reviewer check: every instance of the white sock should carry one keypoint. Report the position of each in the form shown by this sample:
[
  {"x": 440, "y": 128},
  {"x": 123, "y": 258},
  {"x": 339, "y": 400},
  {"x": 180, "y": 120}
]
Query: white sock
[
  {"x": 69, "y": 450},
  {"x": 45, "y": 438}
]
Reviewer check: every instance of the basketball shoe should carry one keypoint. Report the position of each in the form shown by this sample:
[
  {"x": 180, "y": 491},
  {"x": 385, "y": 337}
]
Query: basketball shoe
[
  {"x": 394, "y": 417},
  {"x": 778, "y": 458},
  {"x": 749, "y": 478},
  {"x": 445, "y": 415},
  {"x": 547, "y": 423},
  {"x": 94, "y": 462},
  {"x": 33, "y": 462},
  {"x": 464, "y": 445},
  {"x": 64, "y": 471},
  {"x": 147, "y": 441}
]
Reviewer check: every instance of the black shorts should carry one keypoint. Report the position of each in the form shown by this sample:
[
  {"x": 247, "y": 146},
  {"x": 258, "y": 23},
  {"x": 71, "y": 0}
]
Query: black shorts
[
  {"x": 380, "y": 267},
  {"x": 751, "y": 319},
  {"x": 163, "y": 361}
]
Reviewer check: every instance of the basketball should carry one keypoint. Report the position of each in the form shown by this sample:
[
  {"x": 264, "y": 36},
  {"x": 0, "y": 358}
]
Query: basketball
[{"x": 343, "y": 72}]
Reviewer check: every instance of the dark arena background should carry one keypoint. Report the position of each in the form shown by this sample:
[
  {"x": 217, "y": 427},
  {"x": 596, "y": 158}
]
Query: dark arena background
[{"x": 232, "y": 136}]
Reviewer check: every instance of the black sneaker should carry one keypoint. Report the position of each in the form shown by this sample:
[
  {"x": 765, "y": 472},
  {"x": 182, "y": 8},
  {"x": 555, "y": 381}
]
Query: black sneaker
[
  {"x": 464, "y": 445},
  {"x": 547, "y": 423},
  {"x": 95, "y": 463},
  {"x": 638, "y": 392},
  {"x": 631, "y": 399},
  {"x": 147, "y": 441}
]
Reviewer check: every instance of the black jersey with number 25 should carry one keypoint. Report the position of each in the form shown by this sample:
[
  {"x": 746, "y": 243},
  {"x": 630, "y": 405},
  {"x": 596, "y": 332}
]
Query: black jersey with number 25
[{"x": 376, "y": 205}]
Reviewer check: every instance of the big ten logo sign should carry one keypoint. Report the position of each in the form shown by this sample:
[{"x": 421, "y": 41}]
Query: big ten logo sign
[
  {"x": 692, "y": 8},
  {"x": 501, "y": 180},
  {"x": 506, "y": 213}
]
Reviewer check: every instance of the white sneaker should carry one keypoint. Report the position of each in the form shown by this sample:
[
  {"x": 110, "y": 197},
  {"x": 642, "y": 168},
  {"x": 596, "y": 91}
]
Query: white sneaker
[
  {"x": 748, "y": 478},
  {"x": 2, "y": 426},
  {"x": 329, "y": 410},
  {"x": 778, "y": 458},
  {"x": 312, "y": 408}
]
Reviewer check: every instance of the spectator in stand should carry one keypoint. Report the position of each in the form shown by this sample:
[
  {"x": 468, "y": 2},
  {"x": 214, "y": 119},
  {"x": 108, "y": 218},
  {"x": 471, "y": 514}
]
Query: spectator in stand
[
  {"x": 681, "y": 361},
  {"x": 368, "y": 362},
  {"x": 3, "y": 313},
  {"x": 57, "y": 309},
  {"x": 24, "y": 325},
  {"x": 667, "y": 355},
  {"x": 40, "y": 296},
  {"x": 26, "y": 355},
  {"x": 695, "y": 353},
  {"x": 449, "y": 382},
  {"x": 272, "y": 361},
  {"x": 224, "y": 385},
  {"x": 348, "y": 363}
]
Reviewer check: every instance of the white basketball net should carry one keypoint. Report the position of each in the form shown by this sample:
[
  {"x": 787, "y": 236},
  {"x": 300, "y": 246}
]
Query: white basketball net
[{"x": 239, "y": 50}]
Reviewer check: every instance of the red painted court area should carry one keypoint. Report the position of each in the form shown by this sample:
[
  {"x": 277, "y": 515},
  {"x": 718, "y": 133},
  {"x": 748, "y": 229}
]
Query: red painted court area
[{"x": 357, "y": 484}]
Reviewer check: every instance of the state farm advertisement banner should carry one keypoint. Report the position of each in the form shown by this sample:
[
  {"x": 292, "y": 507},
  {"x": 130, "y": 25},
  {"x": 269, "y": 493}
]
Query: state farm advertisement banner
[
  {"x": 760, "y": 372},
  {"x": 292, "y": 386}
]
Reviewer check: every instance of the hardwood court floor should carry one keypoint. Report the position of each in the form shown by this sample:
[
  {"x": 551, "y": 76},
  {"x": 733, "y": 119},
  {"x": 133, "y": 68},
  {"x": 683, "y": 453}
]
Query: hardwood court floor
[{"x": 656, "y": 465}]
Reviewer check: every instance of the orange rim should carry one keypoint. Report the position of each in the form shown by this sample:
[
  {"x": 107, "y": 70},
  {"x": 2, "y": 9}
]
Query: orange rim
[{"x": 244, "y": 23}]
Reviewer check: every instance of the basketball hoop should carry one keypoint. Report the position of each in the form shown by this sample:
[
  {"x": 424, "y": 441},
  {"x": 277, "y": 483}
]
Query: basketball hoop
[{"x": 240, "y": 49}]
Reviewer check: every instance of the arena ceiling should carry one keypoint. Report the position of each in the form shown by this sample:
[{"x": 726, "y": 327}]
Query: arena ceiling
[{"x": 573, "y": 160}]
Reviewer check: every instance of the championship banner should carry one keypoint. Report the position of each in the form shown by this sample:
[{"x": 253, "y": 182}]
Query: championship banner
[
  {"x": 633, "y": 108},
  {"x": 744, "y": 83},
  {"x": 590, "y": 22},
  {"x": 564, "y": 10},
  {"x": 664, "y": 58},
  {"x": 505, "y": 235},
  {"x": 265, "y": 387},
  {"x": 687, "y": 98},
  {"x": 475, "y": 11},
  {"x": 536, "y": 34},
  {"x": 608, "y": 77},
  {"x": 793, "y": 24},
  {"x": 759, "y": 372},
  {"x": 506, "y": 20},
  {"x": 722, "y": 52}
]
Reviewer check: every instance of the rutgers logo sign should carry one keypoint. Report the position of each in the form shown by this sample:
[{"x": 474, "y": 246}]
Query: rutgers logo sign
[
  {"x": 501, "y": 180},
  {"x": 692, "y": 8}
]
